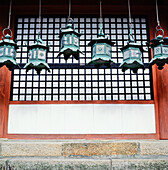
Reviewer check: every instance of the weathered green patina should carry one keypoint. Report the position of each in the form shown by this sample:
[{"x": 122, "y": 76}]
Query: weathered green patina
[
  {"x": 8, "y": 51},
  {"x": 37, "y": 56},
  {"x": 132, "y": 55},
  {"x": 159, "y": 46},
  {"x": 70, "y": 41},
  {"x": 101, "y": 49}
]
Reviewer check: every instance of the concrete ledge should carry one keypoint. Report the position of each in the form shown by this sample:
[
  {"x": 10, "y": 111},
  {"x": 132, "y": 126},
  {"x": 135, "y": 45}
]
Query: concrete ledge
[
  {"x": 30, "y": 149},
  {"x": 59, "y": 164},
  {"x": 84, "y": 164},
  {"x": 154, "y": 148},
  {"x": 140, "y": 164},
  {"x": 83, "y": 148}
]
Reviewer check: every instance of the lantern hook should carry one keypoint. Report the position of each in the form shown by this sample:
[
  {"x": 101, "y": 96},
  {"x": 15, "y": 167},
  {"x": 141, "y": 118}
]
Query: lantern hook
[
  {"x": 8, "y": 30},
  {"x": 158, "y": 27},
  {"x": 158, "y": 31},
  {"x": 70, "y": 20}
]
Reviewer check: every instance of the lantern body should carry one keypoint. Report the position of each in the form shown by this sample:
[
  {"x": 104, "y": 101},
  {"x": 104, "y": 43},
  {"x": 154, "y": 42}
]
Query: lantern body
[
  {"x": 8, "y": 52},
  {"x": 160, "y": 52},
  {"x": 70, "y": 42},
  {"x": 101, "y": 51},
  {"x": 37, "y": 57},
  {"x": 132, "y": 57}
]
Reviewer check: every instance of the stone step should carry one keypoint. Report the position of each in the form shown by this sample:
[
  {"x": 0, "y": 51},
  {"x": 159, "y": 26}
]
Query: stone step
[
  {"x": 84, "y": 148},
  {"x": 83, "y": 154},
  {"x": 82, "y": 164}
]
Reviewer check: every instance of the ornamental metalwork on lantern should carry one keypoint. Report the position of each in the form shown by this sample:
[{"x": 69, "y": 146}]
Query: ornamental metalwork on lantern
[
  {"x": 159, "y": 46},
  {"x": 70, "y": 41},
  {"x": 101, "y": 50},
  {"x": 132, "y": 55},
  {"x": 8, "y": 51},
  {"x": 37, "y": 56}
]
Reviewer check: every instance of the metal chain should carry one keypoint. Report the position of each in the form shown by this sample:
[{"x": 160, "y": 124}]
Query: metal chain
[
  {"x": 10, "y": 8},
  {"x": 101, "y": 19},
  {"x": 157, "y": 14},
  {"x": 131, "y": 37},
  {"x": 39, "y": 16},
  {"x": 69, "y": 9},
  {"x": 129, "y": 10}
]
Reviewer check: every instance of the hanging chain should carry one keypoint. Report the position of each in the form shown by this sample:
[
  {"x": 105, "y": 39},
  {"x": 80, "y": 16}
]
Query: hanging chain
[
  {"x": 39, "y": 16},
  {"x": 10, "y": 8},
  {"x": 101, "y": 19},
  {"x": 129, "y": 10},
  {"x": 69, "y": 16},
  {"x": 157, "y": 14},
  {"x": 131, "y": 37}
]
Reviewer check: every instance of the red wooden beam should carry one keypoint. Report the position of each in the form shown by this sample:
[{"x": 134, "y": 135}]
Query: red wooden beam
[{"x": 82, "y": 136}]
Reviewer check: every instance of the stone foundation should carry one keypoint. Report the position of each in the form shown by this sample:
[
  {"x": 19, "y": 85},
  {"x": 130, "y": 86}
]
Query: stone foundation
[{"x": 83, "y": 155}]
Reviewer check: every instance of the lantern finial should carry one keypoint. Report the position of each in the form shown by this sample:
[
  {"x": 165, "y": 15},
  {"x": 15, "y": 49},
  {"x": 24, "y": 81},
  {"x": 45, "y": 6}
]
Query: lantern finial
[
  {"x": 131, "y": 37},
  {"x": 101, "y": 33}
]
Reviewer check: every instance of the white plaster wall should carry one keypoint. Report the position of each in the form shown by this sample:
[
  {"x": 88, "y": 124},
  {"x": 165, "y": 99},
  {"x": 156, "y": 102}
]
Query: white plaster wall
[{"x": 82, "y": 119}]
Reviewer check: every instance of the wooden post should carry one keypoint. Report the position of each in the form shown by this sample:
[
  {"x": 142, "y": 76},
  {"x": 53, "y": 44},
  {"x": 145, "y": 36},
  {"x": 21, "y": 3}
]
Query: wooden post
[
  {"x": 162, "y": 85},
  {"x": 5, "y": 83}
]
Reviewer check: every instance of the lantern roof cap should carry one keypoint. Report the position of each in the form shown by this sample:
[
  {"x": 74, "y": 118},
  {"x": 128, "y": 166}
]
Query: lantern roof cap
[
  {"x": 160, "y": 37},
  {"x": 8, "y": 41},
  {"x": 69, "y": 29},
  {"x": 101, "y": 39},
  {"x": 38, "y": 44},
  {"x": 132, "y": 44},
  {"x": 159, "y": 40}
]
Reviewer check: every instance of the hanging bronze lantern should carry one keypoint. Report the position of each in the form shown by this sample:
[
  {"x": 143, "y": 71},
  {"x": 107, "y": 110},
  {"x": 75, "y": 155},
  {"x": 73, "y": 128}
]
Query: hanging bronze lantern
[
  {"x": 37, "y": 56},
  {"x": 159, "y": 46},
  {"x": 132, "y": 52},
  {"x": 101, "y": 50},
  {"x": 38, "y": 52},
  {"x": 132, "y": 55},
  {"x": 8, "y": 51},
  {"x": 101, "y": 46},
  {"x": 70, "y": 41}
]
